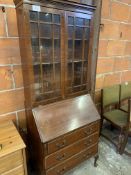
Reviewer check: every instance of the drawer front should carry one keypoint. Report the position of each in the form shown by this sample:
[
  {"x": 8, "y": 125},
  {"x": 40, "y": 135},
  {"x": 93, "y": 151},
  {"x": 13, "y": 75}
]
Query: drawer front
[
  {"x": 11, "y": 161},
  {"x": 16, "y": 171},
  {"x": 68, "y": 139},
  {"x": 72, "y": 162},
  {"x": 71, "y": 150}
]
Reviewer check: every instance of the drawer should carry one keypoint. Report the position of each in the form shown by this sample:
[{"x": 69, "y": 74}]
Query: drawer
[
  {"x": 72, "y": 137},
  {"x": 10, "y": 161},
  {"x": 16, "y": 171},
  {"x": 71, "y": 150},
  {"x": 72, "y": 162}
]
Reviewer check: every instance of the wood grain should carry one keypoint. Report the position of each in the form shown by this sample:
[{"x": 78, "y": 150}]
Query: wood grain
[
  {"x": 9, "y": 138},
  {"x": 64, "y": 117}
]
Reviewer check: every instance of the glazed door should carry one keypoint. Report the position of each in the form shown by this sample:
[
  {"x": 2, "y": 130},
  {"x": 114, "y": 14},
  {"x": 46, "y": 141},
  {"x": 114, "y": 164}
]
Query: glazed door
[
  {"x": 78, "y": 38},
  {"x": 47, "y": 49}
]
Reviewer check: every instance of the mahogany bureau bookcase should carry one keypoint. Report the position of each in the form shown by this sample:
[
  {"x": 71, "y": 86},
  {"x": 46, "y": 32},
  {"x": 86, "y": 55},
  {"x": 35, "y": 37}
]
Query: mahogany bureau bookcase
[
  {"x": 68, "y": 134},
  {"x": 59, "y": 46}
]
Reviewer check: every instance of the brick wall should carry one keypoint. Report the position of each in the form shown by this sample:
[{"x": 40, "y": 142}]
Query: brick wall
[
  {"x": 11, "y": 82},
  {"x": 114, "y": 62},
  {"x": 114, "y": 59}
]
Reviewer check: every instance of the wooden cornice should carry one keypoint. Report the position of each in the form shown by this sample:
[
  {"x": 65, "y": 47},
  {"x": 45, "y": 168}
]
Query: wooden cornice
[{"x": 69, "y": 2}]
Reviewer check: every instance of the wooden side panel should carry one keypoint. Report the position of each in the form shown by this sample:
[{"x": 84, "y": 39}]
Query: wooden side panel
[
  {"x": 96, "y": 31},
  {"x": 25, "y": 51}
]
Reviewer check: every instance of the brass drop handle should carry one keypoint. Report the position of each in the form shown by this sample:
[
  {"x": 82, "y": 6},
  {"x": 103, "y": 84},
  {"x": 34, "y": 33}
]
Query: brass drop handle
[
  {"x": 60, "y": 157},
  {"x": 61, "y": 145},
  {"x": 59, "y": 172},
  {"x": 1, "y": 146}
]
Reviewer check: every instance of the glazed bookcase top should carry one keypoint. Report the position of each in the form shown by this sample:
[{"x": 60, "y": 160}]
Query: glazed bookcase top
[{"x": 85, "y": 2}]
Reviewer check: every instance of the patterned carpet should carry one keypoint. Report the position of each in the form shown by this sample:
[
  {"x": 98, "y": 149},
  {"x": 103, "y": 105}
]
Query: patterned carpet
[{"x": 109, "y": 163}]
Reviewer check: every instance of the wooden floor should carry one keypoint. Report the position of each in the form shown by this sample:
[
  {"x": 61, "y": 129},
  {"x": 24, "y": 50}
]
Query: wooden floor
[{"x": 109, "y": 163}]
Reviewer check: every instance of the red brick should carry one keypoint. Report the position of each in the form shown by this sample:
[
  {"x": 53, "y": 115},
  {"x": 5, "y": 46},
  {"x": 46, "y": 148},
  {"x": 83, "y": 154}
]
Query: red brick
[
  {"x": 111, "y": 79},
  {"x": 9, "y": 51},
  {"x": 126, "y": 76},
  {"x": 126, "y": 31},
  {"x": 102, "y": 48},
  {"x": 121, "y": 64},
  {"x": 105, "y": 65},
  {"x": 5, "y": 78},
  {"x": 129, "y": 65},
  {"x": 2, "y": 25},
  {"x": 116, "y": 48},
  {"x": 11, "y": 101},
  {"x": 12, "y": 22},
  {"x": 18, "y": 77},
  {"x": 130, "y": 16},
  {"x": 106, "y": 9},
  {"x": 9, "y": 2},
  {"x": 99, "y": 82},
  {"x": 128, "y": 48},
  {"x": 119, "y": 11},
  {"x": 123, "y": 31},
  {"x": 110, "y": 30}
]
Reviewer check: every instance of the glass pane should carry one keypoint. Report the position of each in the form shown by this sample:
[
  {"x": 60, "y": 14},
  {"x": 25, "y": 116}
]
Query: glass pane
[
  {"x": 57, "y": 50},
  {"x": 36, "y": 57},
  {"x": 85, "y": 73},
  {"x": 45, "y": 30},
  {"x": 46, "y": 50},
  {"x": 56, "y": 19},
  {"x": 87, "y": 33},
  {"x": 34, "y": 29},
  {"x": 87, "y": 22},
  {"x": 77, "y": 73},
  {"x": 33, "y": 16},
  {"x": 37, "y": 76},
  {"x": 47, "y": 76},
  {"x": 79, "y": 21},
  {"x": 78, "y": 50},
  {"x": 45, "y": 17},
  {"x": 57, "y": 76},
  {"x": 35, "y": 51},
  {"x": 70, "y": 49},
  {"x": 69, "y": 75},
  {"x": 35, "y": 45},
  {"x": 86, "y": 49},
  {"x": 71, "y": 20},
  {"x": 37, "y": 82},
  {"x": 79, "y": 33},
  {"x": 56, "y": 31},
  {"x": 70, "y": 32}
]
